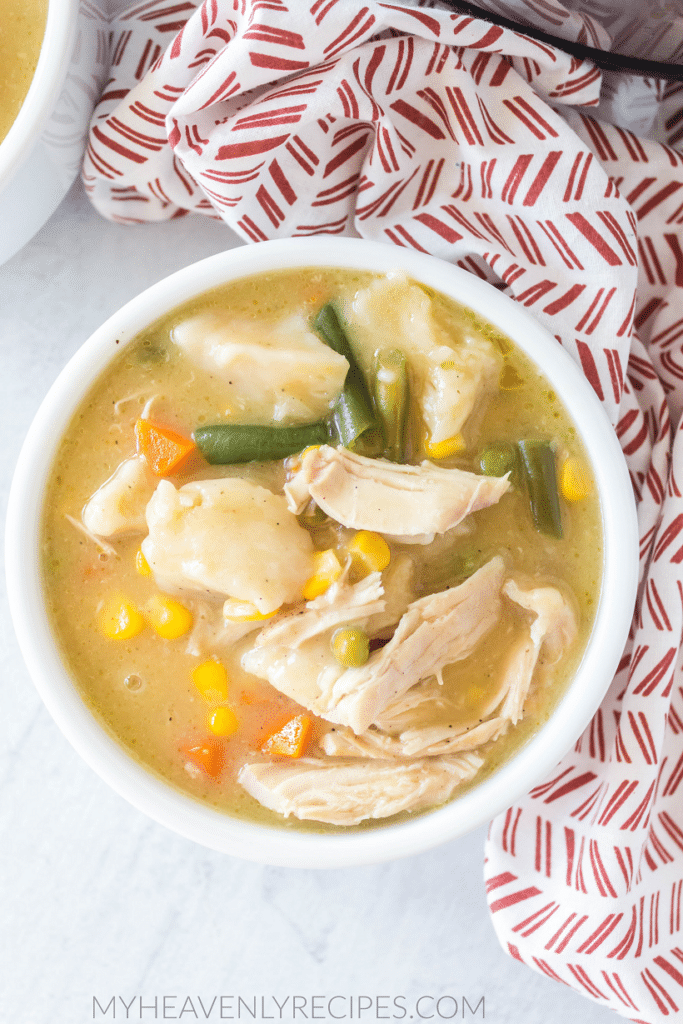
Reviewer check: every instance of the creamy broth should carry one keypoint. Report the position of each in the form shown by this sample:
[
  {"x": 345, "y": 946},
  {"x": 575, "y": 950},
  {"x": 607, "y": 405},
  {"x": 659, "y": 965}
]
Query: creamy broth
[
  {"x": 22, "y": 26},
  {"x": 142, "y": 688}
]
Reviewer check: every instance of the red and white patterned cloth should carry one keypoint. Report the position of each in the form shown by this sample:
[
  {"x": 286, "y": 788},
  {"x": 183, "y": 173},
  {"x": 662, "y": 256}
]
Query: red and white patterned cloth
[{"x": 420, "y": 126}]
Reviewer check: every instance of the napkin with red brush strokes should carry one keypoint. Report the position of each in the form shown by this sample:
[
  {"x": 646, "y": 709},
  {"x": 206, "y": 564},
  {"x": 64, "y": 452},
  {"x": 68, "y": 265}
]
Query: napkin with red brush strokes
[{"x": 413, "y": 124}]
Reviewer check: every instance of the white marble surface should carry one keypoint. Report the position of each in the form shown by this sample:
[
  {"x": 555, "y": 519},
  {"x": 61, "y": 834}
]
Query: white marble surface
[{"x": 98, "y": 901}]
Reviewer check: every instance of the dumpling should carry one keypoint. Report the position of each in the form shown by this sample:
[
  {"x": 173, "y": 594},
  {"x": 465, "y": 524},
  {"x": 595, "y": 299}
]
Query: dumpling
[
  {"x": 229, "y": 538},
  {"x": 450, "y": 378},
  {"x": 281, "y": 369}
]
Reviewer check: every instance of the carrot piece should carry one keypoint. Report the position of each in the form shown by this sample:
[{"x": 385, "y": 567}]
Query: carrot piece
[
  {"x": 164, "y": 450},
  {"x": 291, "y": 739},
  {"x": 208, "y": 755}
]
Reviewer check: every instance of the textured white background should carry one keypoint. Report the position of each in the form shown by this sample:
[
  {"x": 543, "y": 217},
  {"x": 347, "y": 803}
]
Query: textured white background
[{"x": 97, "y": 900}]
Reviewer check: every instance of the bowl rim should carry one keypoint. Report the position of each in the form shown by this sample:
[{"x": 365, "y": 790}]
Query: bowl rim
[
  {"x": 277, "y": 845},
  {"x": 46, "y": 86}
]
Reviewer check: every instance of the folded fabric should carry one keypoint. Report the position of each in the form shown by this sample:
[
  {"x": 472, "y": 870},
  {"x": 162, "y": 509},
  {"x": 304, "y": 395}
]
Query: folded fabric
[{"x": 420, "y": 126}]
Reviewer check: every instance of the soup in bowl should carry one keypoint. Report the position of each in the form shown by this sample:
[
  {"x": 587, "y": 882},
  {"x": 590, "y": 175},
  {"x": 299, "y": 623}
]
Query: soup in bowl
[
  {"x": 322, "y": 552},
  {"x": 52, "y": 55},
  {"x": 22, "y": 28}
]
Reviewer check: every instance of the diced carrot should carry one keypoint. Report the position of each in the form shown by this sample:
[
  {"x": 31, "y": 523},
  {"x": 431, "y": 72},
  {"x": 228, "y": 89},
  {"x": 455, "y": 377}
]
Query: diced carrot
[
  {"x": 208, "y": 755},
  {"x": 291, "y": 739},
  {"x": 164, "y": 449}
]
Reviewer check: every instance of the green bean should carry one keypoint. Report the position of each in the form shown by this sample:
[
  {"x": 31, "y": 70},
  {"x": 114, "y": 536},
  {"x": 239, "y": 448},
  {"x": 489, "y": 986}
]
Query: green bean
[
  {"x": 352, "y": 414},
  {"x": 538, "y": 463},
  {"x": 328, "y": 327},
  {"x": 497, "y": 458},
  {"x": 225, "y": 443},
  {"x": 370, "y": 444},
  {"x": 454, "y": 567},
  {"x": 391, "y": 400}
]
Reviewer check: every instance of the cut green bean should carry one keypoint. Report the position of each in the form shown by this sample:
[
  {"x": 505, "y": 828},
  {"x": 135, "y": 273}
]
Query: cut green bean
[
  {"x": 327, "y": 326},
  {"x": 497, "y": 458},
  {"x": 538, "y": 462},
  {"x": 225, "y": 443},
  {"x": 352, "y": 414},
  {"x": 370, "y": 444},
  {"x": 452, "y": 568},
  {"x": 391, "y": 400}
]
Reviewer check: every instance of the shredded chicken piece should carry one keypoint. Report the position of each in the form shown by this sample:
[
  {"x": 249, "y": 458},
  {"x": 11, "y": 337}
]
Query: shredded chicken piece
[
  {"x": 400, "y": 713},
  {"x": 118, "y": 406},
  {"x": 517, "y": 676},
  {"x": 555, "y": 619},
  {"x": 398, "y": 593},
  {"x": 211, "y": 631},
  {"x": 421, "y": 741},
  {"x": 399, "y": 501},
  {"x": 118, "y": 506},
  {"x": 109, "y": 549},
  {"x": 340, "y": 603},
  {"x": 305, "y": 673},
  {"x": 375, "y": 603},
  {"x": 437, "y": 630},
  {"x": 393, "y": 734},
  {"x": 554, "y": 629},
  {"x": 350, "y": 791},
  {"x": 440, "y": 739}
]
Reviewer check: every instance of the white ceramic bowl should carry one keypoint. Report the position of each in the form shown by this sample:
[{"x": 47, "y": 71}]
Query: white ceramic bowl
[
  {"x": 41, "y": 154},
  {"x": 274, "y": 845}
]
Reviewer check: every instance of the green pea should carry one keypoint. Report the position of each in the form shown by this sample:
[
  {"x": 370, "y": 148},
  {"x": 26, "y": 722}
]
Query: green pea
[
  {"x": 497, "y": 459},
  {"x": 350, "y": 646}
]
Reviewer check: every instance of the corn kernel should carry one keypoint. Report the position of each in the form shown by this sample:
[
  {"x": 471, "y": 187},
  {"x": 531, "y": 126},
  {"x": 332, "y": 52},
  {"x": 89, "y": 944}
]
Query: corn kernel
[
  {"x": 370, "y": 551},
  {"x": 444, "y": 449},
  {"x": 119, "y": 619},
  {"x": 141, "y": 564},
  {"x": 326, "y": 570},
  {"x": 211, "y": 680},
  {"x": 244, "y": 611},
  {"x": 575, "y": 481},
  {"x": 167, "y": 617},
  {"x": 223, "y": 722}
]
